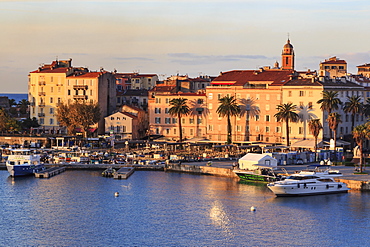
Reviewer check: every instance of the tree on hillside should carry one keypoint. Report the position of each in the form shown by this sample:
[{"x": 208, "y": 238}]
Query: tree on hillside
[
  {"x": 315, "y": 127},
  {"x": 286, "y": 112},
  {"x": 179, "y": 108},
  {"x": 228, "y": 108},
  {"x": 4, "y": 118},
  {"x": 78, "y": 114}
]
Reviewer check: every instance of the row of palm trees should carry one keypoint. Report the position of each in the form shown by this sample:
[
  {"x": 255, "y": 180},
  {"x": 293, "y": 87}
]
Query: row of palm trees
[{"x": 228, "y": 107}]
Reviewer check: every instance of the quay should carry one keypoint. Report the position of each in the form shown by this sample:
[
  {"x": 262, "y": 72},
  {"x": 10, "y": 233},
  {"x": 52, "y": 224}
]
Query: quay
[
  {"x": 50, "y": 172},
  {"x": 355, "y": 182},
  {"x": 123, "y": 173}
]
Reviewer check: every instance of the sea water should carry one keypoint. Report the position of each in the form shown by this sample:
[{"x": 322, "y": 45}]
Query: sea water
[{"x": 79, "y": 208}]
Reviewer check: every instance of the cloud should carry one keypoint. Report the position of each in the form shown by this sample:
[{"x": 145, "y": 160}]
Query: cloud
[
  {"x": 133, "y": 58},
  {"x": 191, "y": 58}
]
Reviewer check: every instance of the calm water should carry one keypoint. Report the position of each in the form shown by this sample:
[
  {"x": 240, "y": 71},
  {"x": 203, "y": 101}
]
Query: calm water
[
  {"x": 78, "y": 208},
  {"x": 16, "y": 96}
]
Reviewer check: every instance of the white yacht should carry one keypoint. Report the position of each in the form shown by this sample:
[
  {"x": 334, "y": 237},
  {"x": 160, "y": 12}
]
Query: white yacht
[
  {"x": 307, "y": 184},
  {"x": 321, "y": 170},
  {"x": 23, "y": 162}
]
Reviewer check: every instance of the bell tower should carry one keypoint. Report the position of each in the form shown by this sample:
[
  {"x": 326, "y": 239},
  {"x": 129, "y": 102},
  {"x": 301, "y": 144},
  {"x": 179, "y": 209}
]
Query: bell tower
[{"x": 287, "y": 57}]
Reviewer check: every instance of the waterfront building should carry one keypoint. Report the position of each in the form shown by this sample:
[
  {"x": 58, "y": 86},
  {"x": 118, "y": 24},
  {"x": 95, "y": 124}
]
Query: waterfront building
[
  {"x": 333, "y": 68},
  {"x": 59, "y": 82},
  {"x": 162, "y": 123},
  {"x": 364, "y": 70},
  {"x": 135, "y": 80},
  {"x": 134, "y": 97},
  {"x": 123, "y": 125}
]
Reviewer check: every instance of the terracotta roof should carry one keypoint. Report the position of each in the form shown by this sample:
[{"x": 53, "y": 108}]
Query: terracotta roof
[
  {"x": 303, "y": 82},
  {"x": 129, "y": 114},
  {"x": 49, "y": 70},
  {"x": 241, "y": 77},
  {"x": 87, "y": 75},
  {"x": 364, "y": 65},
  {"x": 163, "y": 88},
  {"x": 334, "y": 62}
]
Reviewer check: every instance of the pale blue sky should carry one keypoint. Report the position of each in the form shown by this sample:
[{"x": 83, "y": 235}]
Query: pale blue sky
[{"x": 170, "y": 37}]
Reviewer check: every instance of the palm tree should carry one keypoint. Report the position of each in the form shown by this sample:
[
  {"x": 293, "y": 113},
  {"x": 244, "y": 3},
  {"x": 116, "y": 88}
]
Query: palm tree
[
  {"x": 250, "y": 109},
  {"x": 334, "y": 119},
  {"x": 367, "y": 107},
  {"x": 286, "y": 112},
  {"x": 353, "y": 106},
  {"x": 228, "y": 107},
  {"x": 360, "y": 133},
  {"x": 179, "y": 108},
  {"x": 329, "y": 102},
  {"x": 315, "y": 127}
]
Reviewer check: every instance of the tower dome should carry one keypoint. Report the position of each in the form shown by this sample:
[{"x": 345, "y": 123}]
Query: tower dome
[{"x": 287, "y": 56}]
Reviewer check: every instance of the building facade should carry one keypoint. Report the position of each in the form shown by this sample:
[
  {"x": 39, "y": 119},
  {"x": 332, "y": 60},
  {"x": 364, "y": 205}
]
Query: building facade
[{"x": 59, "y": 82}]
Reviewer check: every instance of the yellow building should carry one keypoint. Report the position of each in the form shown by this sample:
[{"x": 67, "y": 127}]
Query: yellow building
[
  {"x": 59, "y": 82},
  {"x": 333, "y": 68},
  {"x": 162, "y": 123}
]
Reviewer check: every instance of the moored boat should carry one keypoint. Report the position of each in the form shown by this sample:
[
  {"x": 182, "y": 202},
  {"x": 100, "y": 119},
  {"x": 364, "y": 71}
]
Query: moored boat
[
  {"x": 22, "y": 162},
  {"x": 307, "y": 184},
  {"x": 258, "y": 167}
]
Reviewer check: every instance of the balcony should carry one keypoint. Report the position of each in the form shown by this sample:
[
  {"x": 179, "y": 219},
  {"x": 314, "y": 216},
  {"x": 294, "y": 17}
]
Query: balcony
[
  {"x": 42, "y": 93},
  {"x": 42, "y": 105},
  {"x": 80, "y": 87},
  {"x": 77, "y": 97},
  {"x": 41, "y": 114},
  {"x": 42, "y": 83}
]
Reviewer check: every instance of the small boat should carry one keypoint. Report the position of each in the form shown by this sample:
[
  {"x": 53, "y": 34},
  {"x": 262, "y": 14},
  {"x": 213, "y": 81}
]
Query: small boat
[
  {"x": 22, "y": 162},
  {"x": 108, "y": 172},
  {"x": 307, "y": 184},
  {"x": 260, "y": 174}
]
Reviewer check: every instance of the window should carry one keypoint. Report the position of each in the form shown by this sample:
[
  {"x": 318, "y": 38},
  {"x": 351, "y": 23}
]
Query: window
[
  {"x": 257, "y": 117},
  {"x": 301, "y": 93},
  {"x": 174, "y": 120},
  {"x": 257, "y": 128},
  {"x": 309, "y": 105},
  {"x": 267, "y": 129},
  {"x": 191, "y": 120},
  {"x": 210, "y": 106},
  {"x": 267, "y": 107},
  {"x": 51, "y": 111},
  {"x": 267, "y": 118},
  {"x": 210, "y": 127},
  {"x": 238, "y": 128},
  {"x": 267, "y": 97},
  {"x": 166, "y": 110},
  {"x": 200, "y": 101},
  {"x": 51, "y": 100},
  {"x": 157, "y": 120},
  {"x": 167, "y": 120},
  {"x": 310, "y": 93},
  {"x": 200, "y": 120},
  {"x": 183, "y": 120},
  {"x": 289, "y": 93},
  {"x": 277, "y": 129},
  {"x": 257, "y": 96},
  {"x": 111, "y": 118},
  {"x": 51, "y": 89},
  {"x": 300, "y": 130},
  {"x": 167, "y": 100},
  {"x": 191, "y": 132},
  {"x": 219, "y": 96},
  {"x": 51, "y": 121},
  {"x": 167, "y": 131},
  {"x": 210, "y": 96}
]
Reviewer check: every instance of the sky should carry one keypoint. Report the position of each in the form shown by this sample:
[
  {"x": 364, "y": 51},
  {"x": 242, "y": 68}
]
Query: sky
[{"x": 168, "y": 37}]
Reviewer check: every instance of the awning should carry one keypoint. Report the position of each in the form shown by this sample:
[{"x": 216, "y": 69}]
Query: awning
[{"x": 305, "y": 144}]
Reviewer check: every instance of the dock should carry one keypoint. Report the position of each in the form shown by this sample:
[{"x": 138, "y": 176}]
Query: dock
[
  {"x": 123, "y": 173},
  {"x": 50, "y": 172}
]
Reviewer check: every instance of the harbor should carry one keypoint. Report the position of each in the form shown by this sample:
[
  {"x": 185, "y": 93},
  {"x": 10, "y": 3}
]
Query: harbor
[{"x": 224, "y": 168}]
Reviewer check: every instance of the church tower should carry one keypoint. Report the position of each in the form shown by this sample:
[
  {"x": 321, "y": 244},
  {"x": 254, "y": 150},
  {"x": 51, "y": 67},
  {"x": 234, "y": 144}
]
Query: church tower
[{"x": 287, "y": 57}]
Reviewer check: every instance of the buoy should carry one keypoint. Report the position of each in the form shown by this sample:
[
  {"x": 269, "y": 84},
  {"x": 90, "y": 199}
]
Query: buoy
[
  {"x": 253, "y": 208},
  {"x": 116, "y": 194}
]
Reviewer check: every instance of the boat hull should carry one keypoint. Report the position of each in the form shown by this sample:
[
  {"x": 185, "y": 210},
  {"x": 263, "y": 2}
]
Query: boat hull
[
  {"x": 246, "y": 176},
  {"x": 303, "y": 189},
  {"x": 24, "y": 170}
]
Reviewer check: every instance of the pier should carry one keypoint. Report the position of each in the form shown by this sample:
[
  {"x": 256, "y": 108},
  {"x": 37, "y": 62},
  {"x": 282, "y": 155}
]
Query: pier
[
  {"x": 123, "y": 173},
  {"x": 50, "y": 172}
]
